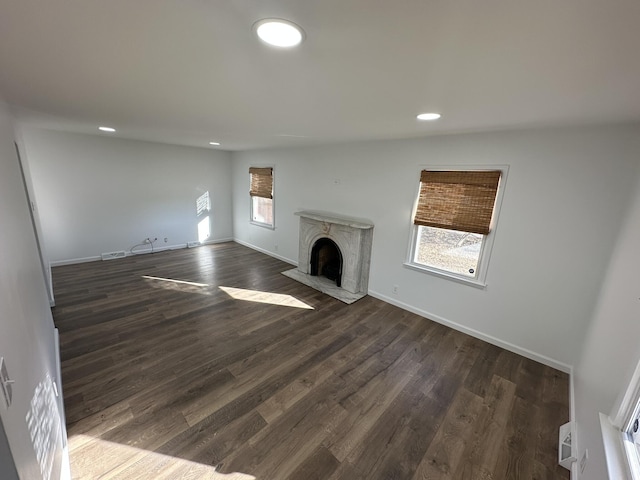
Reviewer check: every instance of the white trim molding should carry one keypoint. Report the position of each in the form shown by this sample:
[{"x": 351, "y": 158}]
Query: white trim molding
[
  {"x": 620, "y": 450},
  {"x": 73, "y": 261},
  {"x": 266, "y": 252},
  {"x": 614, "y": 450},
  {"x": 97, "y": 258},
  {"x": 550, "y": 362}
]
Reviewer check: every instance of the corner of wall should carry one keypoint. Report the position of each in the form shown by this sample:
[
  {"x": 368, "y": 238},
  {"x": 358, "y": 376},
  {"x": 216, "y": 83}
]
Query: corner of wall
[
  {"x": 266, "y": 252},
  {"x": 572, "y": 418}
]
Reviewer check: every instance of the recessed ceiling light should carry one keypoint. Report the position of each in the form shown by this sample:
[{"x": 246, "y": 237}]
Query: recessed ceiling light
[
  {"x": 279, "y": 33},
  {"x": 428, "y": 116},
  {"x": 214, "y": 143},
  {"x": 107, "y": 129}
]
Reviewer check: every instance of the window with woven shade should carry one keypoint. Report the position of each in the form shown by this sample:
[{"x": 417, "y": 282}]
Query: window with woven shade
[
  {"x": 454, "y": 215},
  {"x": 261, "y": 193}
]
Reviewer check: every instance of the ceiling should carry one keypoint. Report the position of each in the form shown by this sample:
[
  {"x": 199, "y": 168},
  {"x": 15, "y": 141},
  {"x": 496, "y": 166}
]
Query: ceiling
[{"x": 191, "y": 71}]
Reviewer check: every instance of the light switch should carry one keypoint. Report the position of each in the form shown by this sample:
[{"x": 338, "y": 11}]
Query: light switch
[{"x": 6, "y": 383}]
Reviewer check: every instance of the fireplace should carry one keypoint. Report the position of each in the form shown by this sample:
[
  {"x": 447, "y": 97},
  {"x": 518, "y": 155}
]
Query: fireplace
[
  {"x": 334, "y": 254},
  {"x": 326, "y": 260}
]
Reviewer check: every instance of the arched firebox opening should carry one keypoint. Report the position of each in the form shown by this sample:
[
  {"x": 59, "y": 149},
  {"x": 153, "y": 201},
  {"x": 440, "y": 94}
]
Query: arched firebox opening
[{"x": 326, "y": 260}]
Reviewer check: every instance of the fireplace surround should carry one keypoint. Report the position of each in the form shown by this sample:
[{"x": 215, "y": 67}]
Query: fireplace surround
[{"x": 353, "y": 239}]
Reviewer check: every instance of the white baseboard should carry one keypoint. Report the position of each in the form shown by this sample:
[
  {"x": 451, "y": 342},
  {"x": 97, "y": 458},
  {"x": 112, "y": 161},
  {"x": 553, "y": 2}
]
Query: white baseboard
[
  {"x": 179, "y": 246},
  {"x": 73, "y": 261},
  {"x": 563, "y": 367},
  {"x": 551, "y": 362},
  {"x": 267, "y": 252},
  {"x": 65, "y": 471},
  {"x": 218, "y": 240}
]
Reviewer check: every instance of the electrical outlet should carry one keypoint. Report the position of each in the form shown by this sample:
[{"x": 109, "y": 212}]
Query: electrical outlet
[
  {"x": 395, "y": 289},
  {"x": 155, "y": 239},
  {"x": 583, "y": 460},
  {"x": 166, "y": 239}
]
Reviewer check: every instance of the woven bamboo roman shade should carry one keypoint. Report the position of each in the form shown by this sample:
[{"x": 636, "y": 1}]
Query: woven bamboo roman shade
[
  {"x": 261, "y": 182},
  {"x": 457, "y": 200}
]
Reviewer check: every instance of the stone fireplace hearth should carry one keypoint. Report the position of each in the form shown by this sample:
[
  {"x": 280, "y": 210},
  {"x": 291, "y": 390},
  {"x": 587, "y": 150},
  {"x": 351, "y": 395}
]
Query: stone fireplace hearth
[{"x": 334, "y": 255}]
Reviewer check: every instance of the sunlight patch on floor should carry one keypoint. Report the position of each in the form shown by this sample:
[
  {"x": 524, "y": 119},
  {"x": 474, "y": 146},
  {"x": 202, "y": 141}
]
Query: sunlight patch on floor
[
  {"x": 182, "y": 282},
  {"x": 96, "y": 458},
  {"x": 180, "y": 285},
  {"x": 265, "y": 297}
]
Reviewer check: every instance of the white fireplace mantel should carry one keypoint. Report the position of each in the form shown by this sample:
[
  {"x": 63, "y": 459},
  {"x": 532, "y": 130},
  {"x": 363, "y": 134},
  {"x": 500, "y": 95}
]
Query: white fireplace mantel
[
  {"x": 335, "y": 219},
  {"x": 354, "y": 238}
]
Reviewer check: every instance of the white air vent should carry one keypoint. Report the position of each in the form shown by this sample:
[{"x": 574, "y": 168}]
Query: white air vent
[
  {"x": 193, "y": 244},
  {"x": 112, "y": 255}
]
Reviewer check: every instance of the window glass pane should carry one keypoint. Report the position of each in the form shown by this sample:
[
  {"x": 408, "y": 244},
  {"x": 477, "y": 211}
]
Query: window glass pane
[
  {"x": 262, "y": 210},
  {"x": 449, "y": 250}
]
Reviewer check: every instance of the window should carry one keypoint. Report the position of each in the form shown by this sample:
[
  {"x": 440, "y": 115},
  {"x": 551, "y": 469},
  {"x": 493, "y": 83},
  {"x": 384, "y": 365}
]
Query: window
[
  {"x": 261, "y": 192},
  {"x": 621, "y": 434},
  {"x": 453, "y": 222},
  {"x": 631, "y": 441}
]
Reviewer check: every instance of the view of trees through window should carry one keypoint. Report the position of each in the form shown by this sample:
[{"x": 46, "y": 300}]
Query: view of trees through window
[
  {"x": 262, "y": 210},
  {"x": 449, "y": 250}
]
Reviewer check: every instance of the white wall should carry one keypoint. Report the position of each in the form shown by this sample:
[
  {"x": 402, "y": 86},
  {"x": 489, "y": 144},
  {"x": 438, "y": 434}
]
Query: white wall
[
  {"x": 100, "y": 194},
  {"x": 8, "y": 469},
  {"x": 611, "y": 349},
  {"x": 565, "y": 196},
  {"x": 42, "y": 250},
  {"x": 26, "y": 326}
]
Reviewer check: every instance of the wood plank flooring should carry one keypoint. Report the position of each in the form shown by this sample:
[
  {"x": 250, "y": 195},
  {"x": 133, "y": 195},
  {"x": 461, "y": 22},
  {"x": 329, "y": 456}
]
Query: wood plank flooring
[{"x": 200, "y": 363}]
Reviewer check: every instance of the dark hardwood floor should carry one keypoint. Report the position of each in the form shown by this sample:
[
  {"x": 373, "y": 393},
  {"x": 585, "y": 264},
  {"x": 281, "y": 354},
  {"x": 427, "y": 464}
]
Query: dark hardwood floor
[{"x": 202, "y": 362}]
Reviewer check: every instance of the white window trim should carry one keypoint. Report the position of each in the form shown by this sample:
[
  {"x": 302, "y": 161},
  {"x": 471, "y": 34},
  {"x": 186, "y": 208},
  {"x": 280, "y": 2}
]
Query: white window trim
[
  {"x": 620, "y": 451},
  {"x": 479, "y": 281},
  {"x": 273, "y": 200},
  {"x": 615, "y": 450}
]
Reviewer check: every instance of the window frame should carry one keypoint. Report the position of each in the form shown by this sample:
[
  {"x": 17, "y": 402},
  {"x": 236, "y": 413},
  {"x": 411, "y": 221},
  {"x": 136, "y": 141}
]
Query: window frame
[
  {"x": 479, "y": 280},
  {"x": 270, "y": 226},
  {"x": 627, "y": 411}
]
